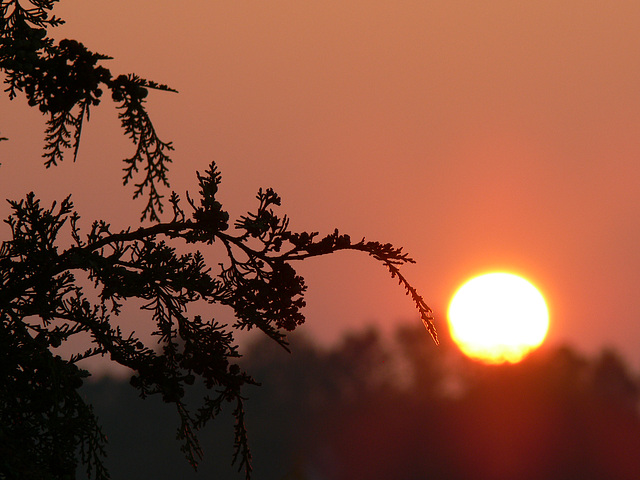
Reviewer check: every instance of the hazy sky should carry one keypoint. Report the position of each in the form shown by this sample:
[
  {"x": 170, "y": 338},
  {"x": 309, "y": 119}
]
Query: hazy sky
[{"x": 500, "y": 135}]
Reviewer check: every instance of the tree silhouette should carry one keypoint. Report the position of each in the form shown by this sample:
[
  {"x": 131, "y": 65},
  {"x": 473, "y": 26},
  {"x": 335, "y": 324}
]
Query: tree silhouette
[{"x": 45, "y": 425}]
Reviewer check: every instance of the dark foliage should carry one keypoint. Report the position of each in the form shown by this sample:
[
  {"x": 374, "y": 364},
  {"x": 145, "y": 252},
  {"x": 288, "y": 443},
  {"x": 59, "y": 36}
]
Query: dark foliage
[
  {"x": 52, "y": 289},
  {"x": 42, "y": 303},
  {"x": 64, "y": 80}
]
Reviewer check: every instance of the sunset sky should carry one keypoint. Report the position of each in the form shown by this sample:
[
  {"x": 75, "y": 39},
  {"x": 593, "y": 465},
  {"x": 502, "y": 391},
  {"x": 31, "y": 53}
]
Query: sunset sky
[{"x": 477, "y": 135}]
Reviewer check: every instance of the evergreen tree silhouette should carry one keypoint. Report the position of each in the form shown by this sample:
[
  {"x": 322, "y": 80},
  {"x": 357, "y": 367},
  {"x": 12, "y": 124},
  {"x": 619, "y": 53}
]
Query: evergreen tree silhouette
[{"x": 44, "y": 421}]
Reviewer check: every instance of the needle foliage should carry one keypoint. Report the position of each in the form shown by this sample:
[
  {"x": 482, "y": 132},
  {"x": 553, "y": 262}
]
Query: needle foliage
[{"x": 61, "y": 277}]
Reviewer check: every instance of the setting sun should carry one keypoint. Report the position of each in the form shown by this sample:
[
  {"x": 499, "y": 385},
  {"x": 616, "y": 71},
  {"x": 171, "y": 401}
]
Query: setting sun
[{"x": 498, "y": 318}]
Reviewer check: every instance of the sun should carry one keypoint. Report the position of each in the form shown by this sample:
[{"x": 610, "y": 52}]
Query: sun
[{"x": 498, "y": 318}]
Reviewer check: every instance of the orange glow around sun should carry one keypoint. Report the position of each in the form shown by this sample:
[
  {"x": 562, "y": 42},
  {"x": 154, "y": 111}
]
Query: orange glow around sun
[{"x": 498, "y": 318}]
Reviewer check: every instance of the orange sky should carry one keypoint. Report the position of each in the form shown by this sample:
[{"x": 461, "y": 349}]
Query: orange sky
[{"x": 502, "y": 135}]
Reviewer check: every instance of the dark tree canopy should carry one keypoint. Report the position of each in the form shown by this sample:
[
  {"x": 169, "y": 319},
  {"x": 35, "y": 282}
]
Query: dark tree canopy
[{"x": 52, "y": 288}]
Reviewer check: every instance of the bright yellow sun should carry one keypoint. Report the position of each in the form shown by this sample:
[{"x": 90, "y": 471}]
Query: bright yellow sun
[{"x": 498, "y": 318}]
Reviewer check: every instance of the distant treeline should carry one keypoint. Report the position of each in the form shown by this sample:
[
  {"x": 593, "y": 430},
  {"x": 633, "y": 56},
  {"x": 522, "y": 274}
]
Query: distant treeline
[{"x": 407, "y": 410}]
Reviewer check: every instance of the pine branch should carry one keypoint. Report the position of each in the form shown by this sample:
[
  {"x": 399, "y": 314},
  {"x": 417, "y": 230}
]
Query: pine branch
[
  {"x": 151, "y": 152},
  {"x": 64, "y": 80}
]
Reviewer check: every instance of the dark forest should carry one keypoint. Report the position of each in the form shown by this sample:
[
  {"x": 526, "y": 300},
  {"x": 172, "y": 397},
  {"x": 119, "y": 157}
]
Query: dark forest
[{"x": 403, "y": 409}]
